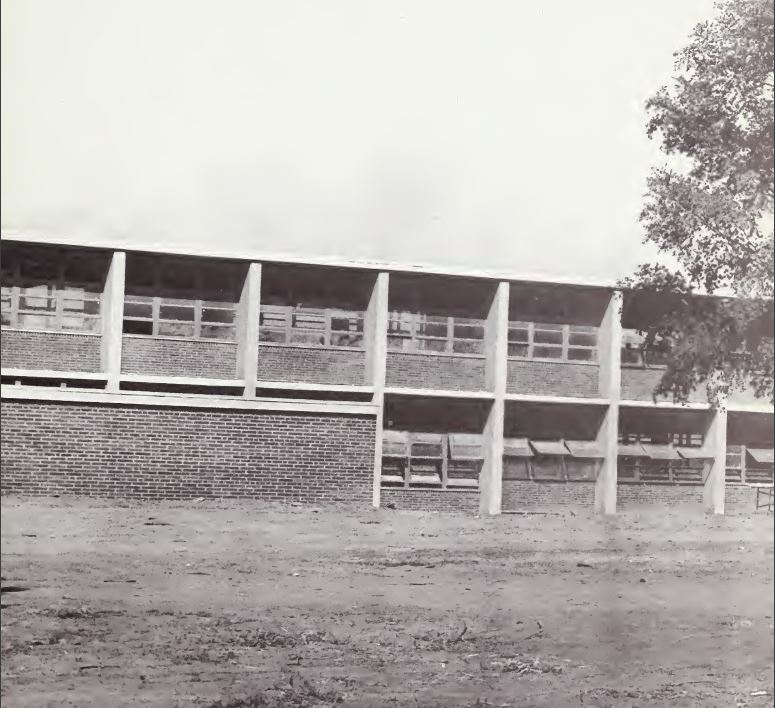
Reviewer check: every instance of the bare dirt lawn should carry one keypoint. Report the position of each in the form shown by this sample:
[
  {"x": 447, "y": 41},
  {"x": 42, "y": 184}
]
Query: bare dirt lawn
[{"x": 244, "y": 605}]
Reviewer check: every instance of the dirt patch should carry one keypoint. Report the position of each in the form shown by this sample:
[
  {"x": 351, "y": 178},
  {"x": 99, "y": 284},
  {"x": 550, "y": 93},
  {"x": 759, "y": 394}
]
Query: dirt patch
[{"x": 232, "y": 605}]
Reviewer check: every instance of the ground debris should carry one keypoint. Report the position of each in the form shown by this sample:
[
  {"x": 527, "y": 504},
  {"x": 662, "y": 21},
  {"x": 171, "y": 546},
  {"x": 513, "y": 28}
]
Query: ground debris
[{"x": 522, "y": 665}]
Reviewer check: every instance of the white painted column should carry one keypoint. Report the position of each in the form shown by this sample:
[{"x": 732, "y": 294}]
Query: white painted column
[
  {"x": 113, "y": 319},
  {"x": 610, "y": 387},
  {"x": 714, "y": 491},
  {"x": 248, "y": 313},
  {"x": 496, "y": 349},
  {"x": 375, "y": 339}
]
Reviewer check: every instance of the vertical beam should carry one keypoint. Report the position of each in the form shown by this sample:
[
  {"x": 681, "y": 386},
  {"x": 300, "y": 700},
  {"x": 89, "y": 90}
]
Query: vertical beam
[
  {"x": 248, "y": 313},
  {"x": 609, "y": 346},
  {"x": 496, "y": 331},
  {"x": 113, "y": 319},
  {"x": 714, "y": 491},
  {"x": 375, "y": 332},
  {"x": 375, "y": 324}
]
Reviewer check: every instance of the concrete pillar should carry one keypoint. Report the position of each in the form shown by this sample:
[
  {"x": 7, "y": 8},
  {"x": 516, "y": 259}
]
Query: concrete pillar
[
  {"x": 496, "y": 332},
  {"x": 610, "y": 386},
  {"x": 248, "y": 313},
  {"x": 375, "y": 332},
  {"x": 714, "y": 491},
  {"x": 113, "y": 320},
  {"x": 375, "y": 326}
]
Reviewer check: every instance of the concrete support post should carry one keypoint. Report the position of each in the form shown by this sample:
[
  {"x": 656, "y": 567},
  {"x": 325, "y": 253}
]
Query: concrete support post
[
  {"x": 375, "y": 339},
  {"x": 248, "y": 315},
  {"x": 609, "y": 356},
  {"x": 496, "y": 348},
  {"x": 113, "y": 320},
  {"x": 714, "y": 491}
]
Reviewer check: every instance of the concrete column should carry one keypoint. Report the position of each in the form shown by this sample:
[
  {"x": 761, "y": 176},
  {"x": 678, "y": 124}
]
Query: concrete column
[
  {"x": 113, "y": 319},
  {"x": 375, "y": 326},
  {"x": 496, "y": 332},
  {"x": 609, "y": 357},
  {"x": 714, "y": 491},
  {"x": 375, "y": 332},
  {"x": 248, "y": 313}
]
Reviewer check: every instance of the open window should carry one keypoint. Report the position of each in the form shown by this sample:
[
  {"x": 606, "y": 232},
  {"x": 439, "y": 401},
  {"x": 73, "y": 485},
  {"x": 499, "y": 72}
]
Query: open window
[
  {"x": 658, "y": 463},
  {"x": 466, "y": 453},
  {"x": 631, "y": 456},
  {"x": 549, "y": 461},
  {"x": 417, "y": 331},
  {"x": 426, "y": 455},
  {"x": 395, "y": 458},
  {"x": 421, "y": 460},
  {"x": 692, "y": 465},
  {"x": 734, "y": 465},
  {"x": 52, "y": 289},
  {"x": 584, "y": 460},
  {"x": 759, "y": 465},
  {"x": 311, "y": 326},
  {"x": 516, "y": 458},
  {"x": 181, "y": 298}
]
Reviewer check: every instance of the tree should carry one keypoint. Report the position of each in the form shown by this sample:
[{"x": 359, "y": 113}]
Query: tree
[{"x": 711, "y": 209}]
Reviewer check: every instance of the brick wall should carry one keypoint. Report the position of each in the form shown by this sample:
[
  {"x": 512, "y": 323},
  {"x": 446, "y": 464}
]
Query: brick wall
[
  {"x": 311, "y": 365},
  {"x": 466, "y": 501},
  {"x": 741, "y": 499},
  {"x": 528, "y": 494},
  {"x": 166, "y": 453},
  {"x": 638, "y": 385},
  {"x": 553, "y": 378},
  {"x": 454, "y": 373},
  {"x": 57, "y": 351},
  {"x": 632, "y": 496},
  {"x": 178, "y": 357}
]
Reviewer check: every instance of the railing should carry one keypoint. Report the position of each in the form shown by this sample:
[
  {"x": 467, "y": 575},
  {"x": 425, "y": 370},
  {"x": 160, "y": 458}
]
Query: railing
[
  {"x": 554, "y": 342},
  {"x": 283, "y": 324},
  {"x": 411, "y": 331},
  {"x": 50, "y": 307},
  {"x": 179, "y": 317}
]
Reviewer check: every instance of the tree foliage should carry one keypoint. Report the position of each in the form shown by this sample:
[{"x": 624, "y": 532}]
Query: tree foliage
[{"x": 711, "y": 208}]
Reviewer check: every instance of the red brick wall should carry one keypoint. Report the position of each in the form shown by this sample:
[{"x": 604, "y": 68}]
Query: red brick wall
[
  {"x": 432, "y": 499},
  {"x": 454, "y": 373},
  {"x": 741, "y": 499},
  {"x": 311, "y": 365},
  {"x": 57, "y": 351},
  {"x": 169, "y": 453},
  {"x": 553, "y": 378},
  {"x": 178, "y": 357},
  {"x": 528, "y": 494},
  {"x": 632, "y": 496}
]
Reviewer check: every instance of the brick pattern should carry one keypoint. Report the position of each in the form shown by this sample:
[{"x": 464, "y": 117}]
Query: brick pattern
[
  {"x": 740, "y": 500},
  {"x": 178, "y": 357},
  {"x": 453, "y": 373},
  {"x": 432, "y": 500},
  {"x": 638, "y": 385},
  {"x": 553, "y": 378},
  {"x": 57, "y": 351},
  {"x": 528, "y": 494},
  {"x": 165, "y": 453},
  {"x": 310, "y": 365},
  {"x": 632, "y": 496}
]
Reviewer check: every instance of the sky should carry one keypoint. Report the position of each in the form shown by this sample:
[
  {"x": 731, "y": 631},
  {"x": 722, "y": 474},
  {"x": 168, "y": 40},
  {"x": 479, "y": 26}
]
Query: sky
[{"x": 490, "y": 134}]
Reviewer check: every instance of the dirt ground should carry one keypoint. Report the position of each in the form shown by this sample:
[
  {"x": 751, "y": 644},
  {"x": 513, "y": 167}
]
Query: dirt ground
[{"x": 244, "y": 605}]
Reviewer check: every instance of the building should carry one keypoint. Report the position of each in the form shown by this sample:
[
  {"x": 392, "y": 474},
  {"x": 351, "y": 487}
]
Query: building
[{"x": 146, "y": 374}]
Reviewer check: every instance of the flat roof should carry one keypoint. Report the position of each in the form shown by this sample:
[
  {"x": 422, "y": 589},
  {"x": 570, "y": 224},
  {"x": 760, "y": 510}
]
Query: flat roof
[{"x": 291, "y": 259}]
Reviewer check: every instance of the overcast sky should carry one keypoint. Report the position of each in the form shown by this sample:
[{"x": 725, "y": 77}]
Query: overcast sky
[{"x": 496, "y": 134}]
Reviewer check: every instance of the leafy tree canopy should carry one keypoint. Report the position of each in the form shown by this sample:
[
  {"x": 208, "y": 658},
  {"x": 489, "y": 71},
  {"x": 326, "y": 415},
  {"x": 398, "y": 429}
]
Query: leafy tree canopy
[{"x": 711, "y": 209}]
